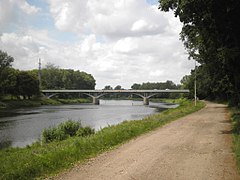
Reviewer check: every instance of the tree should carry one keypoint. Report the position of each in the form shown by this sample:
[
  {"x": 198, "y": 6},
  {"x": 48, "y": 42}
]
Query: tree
[
  {"x": 118, "y": 87},
  {"x": 5, "y": 60},
  {"x": 8, "y": 81},
  {"x": 27, "y": 84},
  {"x": 155, "y": 85},
  {"x": 136, "y": 86},
  {"x": 211, "y": 35},
  {"x": 108, "y": 87}
]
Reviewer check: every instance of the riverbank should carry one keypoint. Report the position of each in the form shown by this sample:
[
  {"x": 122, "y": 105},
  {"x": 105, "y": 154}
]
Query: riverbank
[
  {"x": 197, "y": 146},
  {"x": 38, "y": 102},
  {"x": 44, "y": 159}
]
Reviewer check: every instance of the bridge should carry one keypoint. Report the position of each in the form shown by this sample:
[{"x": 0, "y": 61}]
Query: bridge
[{"x": 96, "y": 94}]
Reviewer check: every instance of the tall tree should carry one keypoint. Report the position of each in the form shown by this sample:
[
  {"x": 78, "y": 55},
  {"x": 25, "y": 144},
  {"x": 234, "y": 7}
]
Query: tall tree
[
  {"x": 5, "y": 60},
  {"x": 8, "y": 81},
  {"x": 27, "y": 84},
  {"x": 211, "y": 35}
]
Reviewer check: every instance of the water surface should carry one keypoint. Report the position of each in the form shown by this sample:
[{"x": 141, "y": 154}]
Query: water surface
[{"x": 21, "y": 127}]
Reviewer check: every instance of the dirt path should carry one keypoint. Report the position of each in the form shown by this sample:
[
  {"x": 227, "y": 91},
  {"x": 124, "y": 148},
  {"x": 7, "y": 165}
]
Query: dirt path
[{"x": 195, "y": 147}]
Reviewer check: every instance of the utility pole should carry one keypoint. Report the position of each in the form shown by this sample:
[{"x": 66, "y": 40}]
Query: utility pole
[
  {"x": 195, "y": 85},
  {"x": 39, "y": 74}
]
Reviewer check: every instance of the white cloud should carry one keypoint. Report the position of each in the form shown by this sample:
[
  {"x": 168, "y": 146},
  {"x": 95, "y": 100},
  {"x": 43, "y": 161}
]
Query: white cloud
[
  {"x": 121, "y": 42},
  {"x": 111, "y": 19},
  {"x": 139, "y": 25},
  {"x": 27, "y": 8},
  {"x": 13, "y": 13}
]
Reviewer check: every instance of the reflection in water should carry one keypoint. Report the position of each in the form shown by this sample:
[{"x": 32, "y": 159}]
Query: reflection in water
[{"x": 24, "y": 126}]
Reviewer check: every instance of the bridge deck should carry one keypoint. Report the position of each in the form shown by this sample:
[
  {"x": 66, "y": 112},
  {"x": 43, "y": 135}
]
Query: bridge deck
[{"x": 115, "y": 91}]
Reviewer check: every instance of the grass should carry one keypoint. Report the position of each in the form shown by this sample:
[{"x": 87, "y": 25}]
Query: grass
[
  {"x": 38, "y": 102},
  {"x": 235, "y": 117},
  {"x": 74, "y": 101},
  {"x": 46, "y": 159}
]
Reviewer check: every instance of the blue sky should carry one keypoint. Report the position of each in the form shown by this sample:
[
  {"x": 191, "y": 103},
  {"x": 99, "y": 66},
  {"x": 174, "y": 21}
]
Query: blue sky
[{"x": 112, "y": 40}]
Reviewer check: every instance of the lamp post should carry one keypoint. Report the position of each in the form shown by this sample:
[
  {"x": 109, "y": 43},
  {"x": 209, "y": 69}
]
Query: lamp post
[
  {"x": 195, "y": 85},
  {"x": 39, "y": 74}
]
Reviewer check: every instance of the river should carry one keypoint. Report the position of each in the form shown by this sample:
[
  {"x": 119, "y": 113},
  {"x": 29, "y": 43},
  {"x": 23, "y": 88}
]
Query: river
[{"x": 21, "y": 127}]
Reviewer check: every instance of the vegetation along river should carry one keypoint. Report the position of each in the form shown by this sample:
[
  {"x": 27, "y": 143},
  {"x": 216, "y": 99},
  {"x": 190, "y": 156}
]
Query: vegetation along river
[{"x": 21, "y": 127}]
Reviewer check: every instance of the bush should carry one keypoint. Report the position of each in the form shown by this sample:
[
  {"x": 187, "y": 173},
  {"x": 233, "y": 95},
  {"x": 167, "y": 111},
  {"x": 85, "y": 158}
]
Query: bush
[
  {"x": 70, "y": 127},
  {"x": 52, "y": 134},
  {"x": 86, "y": 131},
  {"x": 64, "y": 130}
]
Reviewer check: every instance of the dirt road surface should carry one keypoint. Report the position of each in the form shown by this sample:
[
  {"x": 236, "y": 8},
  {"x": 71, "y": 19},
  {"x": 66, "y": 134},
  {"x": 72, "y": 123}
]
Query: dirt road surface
[{"x": 196, "y": 147}]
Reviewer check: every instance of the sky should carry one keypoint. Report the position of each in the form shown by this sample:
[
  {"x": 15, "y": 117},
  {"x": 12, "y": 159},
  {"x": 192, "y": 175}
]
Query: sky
[{"x": 119, "y": 42}]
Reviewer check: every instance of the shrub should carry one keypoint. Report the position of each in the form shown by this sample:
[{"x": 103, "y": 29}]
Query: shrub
[
  {"x": 86, "y": 131},
  {"x": 70, "y": 127},
  {"x": 64, "y": 130}
]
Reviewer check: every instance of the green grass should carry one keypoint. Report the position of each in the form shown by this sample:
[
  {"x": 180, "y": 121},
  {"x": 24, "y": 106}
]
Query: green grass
[
  {"x": 235, "y": 117},
  {"x": 42, "y": 160},
  {"x": 38, "y": 102},
  {"x": 74, "y": 101}
]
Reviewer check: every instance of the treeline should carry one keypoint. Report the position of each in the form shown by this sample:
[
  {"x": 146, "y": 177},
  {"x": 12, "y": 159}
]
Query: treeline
[
  {"x": 146, "y": 86},
  {"x": 156, "y": 85},
  {"x": 159, "y": 86},
  {"x": 15, "y": 82},
  {"x": 211, "y": 35},
  {"x": 52, "y": 77},
  {"x": 25, "y": 84}
]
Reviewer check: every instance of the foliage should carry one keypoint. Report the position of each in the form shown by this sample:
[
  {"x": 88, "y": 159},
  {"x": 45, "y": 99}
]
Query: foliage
[
  {"x": 206, "y": 88},
  {"x": 16, "y": 103},
  {"x": 155, "y": 85},
  {"x": 86, "y": 131},
  {"x": 55, "y": 78},
  {"x": 18, "y": 83},
  {"x": 5, "y": 67},
  {"x": 27, "y": 84},
  {"x": 52, "y": 134},
  {"x": 5, "y": 60},
  {"x": 73, "y": 101},
  {"x": 118, "y": 87},
  {"x": 211, "y": 35},
  {"x": 64, "y": 130},
  {"x": 108, "y": 87},
  {"x": 70, "y": 127},
  {"x": 158, "y": 85},
  {"x": 15, "y": 82},
  {"x": 36, "y": 160},
  {"x": 8, "y": 81},
  {"x": 235, "y": 117}
]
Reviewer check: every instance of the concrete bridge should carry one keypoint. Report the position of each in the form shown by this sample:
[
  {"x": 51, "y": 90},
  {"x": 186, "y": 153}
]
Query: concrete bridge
[{"x": 96, "y": 94}]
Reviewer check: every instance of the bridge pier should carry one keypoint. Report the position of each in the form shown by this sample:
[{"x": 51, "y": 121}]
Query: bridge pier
[
  {"x": 145, "y": 101},
  {"x": 95, "y": 101}
]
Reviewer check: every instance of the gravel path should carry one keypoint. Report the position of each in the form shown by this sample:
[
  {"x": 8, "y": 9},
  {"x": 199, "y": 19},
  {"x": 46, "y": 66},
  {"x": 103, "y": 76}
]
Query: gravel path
[{"x": 196, "y": 147}]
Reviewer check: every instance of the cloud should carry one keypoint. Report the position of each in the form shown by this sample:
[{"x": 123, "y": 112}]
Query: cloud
[
  {"x": 119, "y": 42},
  {"x": 27, "y": 8},
  {"x": 111, "y": 19},
  {"x": 13, "y": 14}
]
